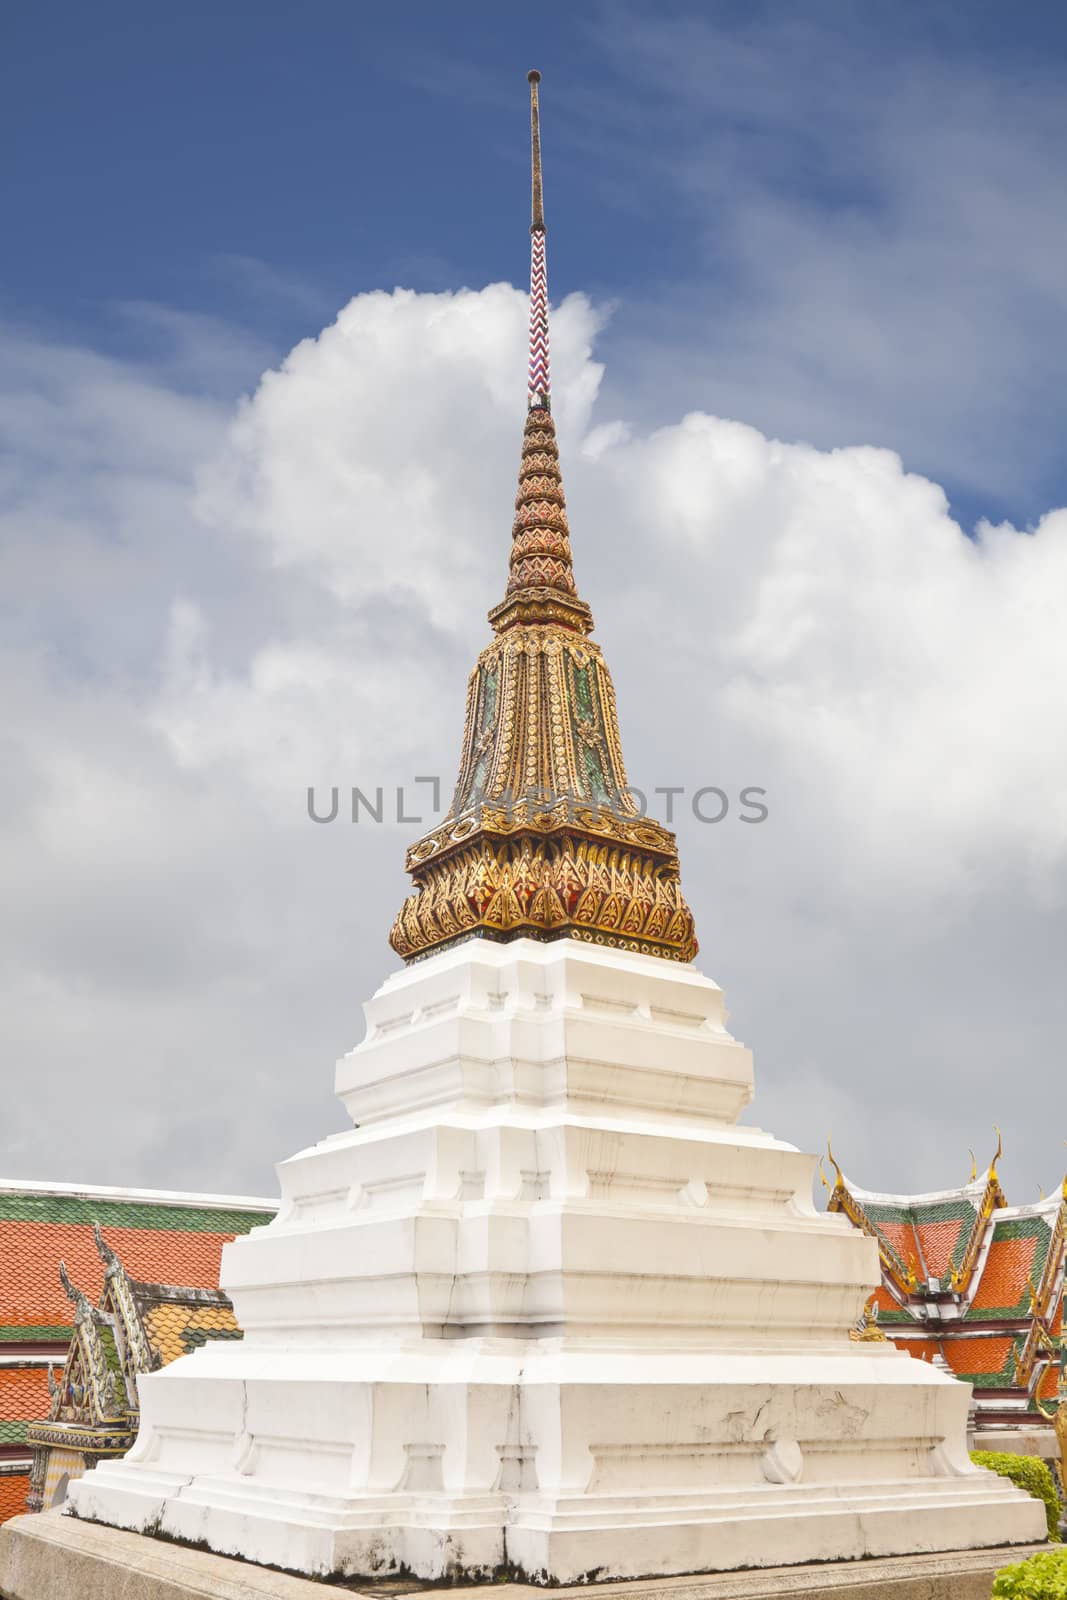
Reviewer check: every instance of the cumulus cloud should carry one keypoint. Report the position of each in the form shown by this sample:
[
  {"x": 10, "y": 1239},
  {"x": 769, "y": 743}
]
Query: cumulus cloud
[
  {"x": 209, "y": 608},
  {"x": 907, "y": 676},
  {"x": 872, "y": 234}
]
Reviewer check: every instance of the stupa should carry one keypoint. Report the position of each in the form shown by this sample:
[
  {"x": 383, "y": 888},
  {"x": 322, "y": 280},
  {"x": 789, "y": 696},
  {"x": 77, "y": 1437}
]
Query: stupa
[{"x": 547, "y": 1308}]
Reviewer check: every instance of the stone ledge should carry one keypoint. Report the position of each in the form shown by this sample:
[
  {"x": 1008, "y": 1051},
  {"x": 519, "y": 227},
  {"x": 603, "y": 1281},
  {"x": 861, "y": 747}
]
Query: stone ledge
[
  {"x": 963, "y": 1575},
  {"x": 52, "y": 1557}
]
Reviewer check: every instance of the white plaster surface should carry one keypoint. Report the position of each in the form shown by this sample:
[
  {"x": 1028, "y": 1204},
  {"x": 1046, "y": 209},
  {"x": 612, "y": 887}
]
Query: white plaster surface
[
  {"x": 548, "y": 1305},
  {"x": 1022, "y": 1441},
  {"x": 50, "y": 1557}
]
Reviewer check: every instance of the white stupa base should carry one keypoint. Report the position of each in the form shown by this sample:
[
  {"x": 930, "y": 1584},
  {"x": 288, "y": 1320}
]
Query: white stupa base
[
  {"x": 548, "y": 1309},
  {"x": 671, "y": 1470}
]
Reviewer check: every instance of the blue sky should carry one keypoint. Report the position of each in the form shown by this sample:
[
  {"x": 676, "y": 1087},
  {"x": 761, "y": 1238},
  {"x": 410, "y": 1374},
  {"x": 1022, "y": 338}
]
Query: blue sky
[
  {"x": 840, "y": 224},
  {"x": 253, "y": 512}
]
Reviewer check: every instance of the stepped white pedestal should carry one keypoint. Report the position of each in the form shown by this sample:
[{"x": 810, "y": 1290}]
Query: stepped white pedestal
[{"x": 547, "y": 1308}]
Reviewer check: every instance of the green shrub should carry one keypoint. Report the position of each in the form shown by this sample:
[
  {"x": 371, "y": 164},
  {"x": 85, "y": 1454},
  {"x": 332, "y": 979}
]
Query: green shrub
[
  {"x": 1043, "y": 1577},
  {"x": 1029, "y": 1473}
]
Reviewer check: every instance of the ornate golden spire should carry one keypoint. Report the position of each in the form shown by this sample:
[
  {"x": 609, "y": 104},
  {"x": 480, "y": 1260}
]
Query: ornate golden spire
[
  {"x": 543, "y": 838},
  {"x": 541, "y": 578}
]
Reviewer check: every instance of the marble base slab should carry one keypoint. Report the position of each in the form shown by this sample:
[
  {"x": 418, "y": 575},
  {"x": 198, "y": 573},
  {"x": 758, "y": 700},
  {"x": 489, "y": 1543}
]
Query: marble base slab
[{"x": 55, "y": 1557}]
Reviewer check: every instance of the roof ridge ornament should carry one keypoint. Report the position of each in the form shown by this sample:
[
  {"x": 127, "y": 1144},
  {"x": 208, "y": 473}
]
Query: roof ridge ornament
[
  {"x": 104, "y": 1250},
  {"x": 125, "y": 1305},
  {"x": 77, "y": 1297},
  {"x": 841, "y": 1184},
  {"x": 842, "y": 1199}
]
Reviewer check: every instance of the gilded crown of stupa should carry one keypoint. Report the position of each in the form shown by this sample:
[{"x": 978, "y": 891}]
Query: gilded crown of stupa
[{"x": 543, "y": 838}]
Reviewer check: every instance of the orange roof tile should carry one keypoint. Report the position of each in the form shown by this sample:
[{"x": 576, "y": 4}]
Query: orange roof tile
[
  {"x": 14, "y": 1487},
  {"x": 921, "y": 1349},
  {"x": 169, "y": 1326},
  {"x": 24, "y": 1394},
  {"x": 938, "y": 1240},
  {"x": 1004, "y": 1278},
  {"x": 931, "y": 1243},
  {"x": 901, "y": 1236},
  {"x": 1048, "y": 1388},
  {"x": 30, "y": 1252},
  {"x": 968, "y": 1357}
]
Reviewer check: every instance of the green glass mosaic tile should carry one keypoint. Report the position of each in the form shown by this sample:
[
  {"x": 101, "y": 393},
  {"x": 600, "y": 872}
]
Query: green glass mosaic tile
[
  {"x": 127, "y": 1214},
  {"x": 36, "y": 1333}
]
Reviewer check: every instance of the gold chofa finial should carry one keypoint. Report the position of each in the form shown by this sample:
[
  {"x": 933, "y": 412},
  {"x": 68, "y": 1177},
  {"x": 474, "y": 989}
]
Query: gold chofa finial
[
  {"x": 834, "y": 1161},
  {"x": 537, "y": 209},
  {"x": 999, "y": 1151},
  {"x": 974, "y": 1166}
]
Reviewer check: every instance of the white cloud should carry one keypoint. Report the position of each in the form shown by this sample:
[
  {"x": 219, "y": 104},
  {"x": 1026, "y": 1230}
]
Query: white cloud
[
  {"x": 872, "y": 231},
  {"x": 210, "y": 612},
  {"x": 909, "y": 679},
  {"x": 320, "y": 470}
]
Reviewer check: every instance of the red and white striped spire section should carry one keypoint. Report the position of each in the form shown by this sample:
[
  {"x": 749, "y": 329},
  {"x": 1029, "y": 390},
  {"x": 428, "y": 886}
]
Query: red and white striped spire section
[
  {"x": 540, "y": 383},
  {"x": 541, "y": 577}
]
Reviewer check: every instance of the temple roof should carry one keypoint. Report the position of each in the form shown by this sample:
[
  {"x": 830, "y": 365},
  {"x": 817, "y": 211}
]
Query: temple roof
[
  {"x": 970, "y": 1279},
  {"x": 133, "y": 1328},
  {"x": 1021, "y": 1247},
  {"x": 925, "y": 1237},
  {"x": 908, "y": 1203},
  {"x": 163, "y": 1237},
  {"x": 178, "y": 1321}
]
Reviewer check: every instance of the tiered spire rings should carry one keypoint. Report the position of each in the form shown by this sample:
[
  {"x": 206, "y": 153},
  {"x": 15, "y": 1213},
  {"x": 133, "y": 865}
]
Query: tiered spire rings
[
  {"x": 541, "y": 577},
  {"x": 543, "y": 838}
]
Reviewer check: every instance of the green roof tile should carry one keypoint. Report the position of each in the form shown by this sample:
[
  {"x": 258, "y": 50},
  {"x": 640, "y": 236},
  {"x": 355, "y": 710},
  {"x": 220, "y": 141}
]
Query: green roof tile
[
  {"x": 36, "y": 1333},
  {"x": 127, "y": 1214}
]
